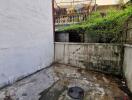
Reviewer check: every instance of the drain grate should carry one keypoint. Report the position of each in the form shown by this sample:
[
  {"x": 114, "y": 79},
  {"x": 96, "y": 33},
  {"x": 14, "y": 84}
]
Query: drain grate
[{"x": 76, "y": 92}]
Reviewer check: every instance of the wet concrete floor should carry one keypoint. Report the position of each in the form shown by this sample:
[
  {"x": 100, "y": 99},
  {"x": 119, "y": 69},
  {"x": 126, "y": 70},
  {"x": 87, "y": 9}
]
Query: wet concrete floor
[
  {"x": 97, "y": 86},
  {"x": 53, "y": 84}
]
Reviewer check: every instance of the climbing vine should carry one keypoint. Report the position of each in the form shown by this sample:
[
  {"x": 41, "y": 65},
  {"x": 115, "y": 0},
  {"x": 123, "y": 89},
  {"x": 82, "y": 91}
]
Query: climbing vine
[{"x": 103, "y": 29}]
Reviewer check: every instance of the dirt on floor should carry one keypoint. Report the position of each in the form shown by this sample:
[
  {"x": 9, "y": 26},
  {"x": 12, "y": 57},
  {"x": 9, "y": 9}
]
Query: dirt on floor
[
  {"x": 96, "y": 86},
  {"x": 53, "y": 84}
]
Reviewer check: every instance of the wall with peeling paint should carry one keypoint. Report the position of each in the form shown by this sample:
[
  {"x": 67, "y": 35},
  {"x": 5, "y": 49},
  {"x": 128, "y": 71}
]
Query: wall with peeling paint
[
  {"x": 128, "y": 53},
  {"x": 94, "y": 56},
  {"x": 128, "y": 65},
  {"x": 26, "y": 37}
]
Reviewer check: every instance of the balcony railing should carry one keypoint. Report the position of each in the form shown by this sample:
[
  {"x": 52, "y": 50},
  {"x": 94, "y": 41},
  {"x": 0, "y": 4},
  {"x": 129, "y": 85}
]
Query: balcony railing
[{"x": 70, "y": 18}]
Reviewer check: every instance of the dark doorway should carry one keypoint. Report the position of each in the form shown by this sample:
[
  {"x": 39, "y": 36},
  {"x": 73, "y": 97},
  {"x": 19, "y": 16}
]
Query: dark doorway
[{"x": 75, "y": 37}]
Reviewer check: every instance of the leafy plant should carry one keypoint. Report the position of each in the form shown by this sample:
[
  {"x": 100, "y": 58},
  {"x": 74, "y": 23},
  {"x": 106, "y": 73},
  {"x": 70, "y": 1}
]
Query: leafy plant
[{"x": 108, "y": 29}]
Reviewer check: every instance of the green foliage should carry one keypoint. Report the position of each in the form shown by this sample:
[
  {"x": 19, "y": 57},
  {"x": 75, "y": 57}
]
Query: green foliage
[{"x": 106, "y": 29}]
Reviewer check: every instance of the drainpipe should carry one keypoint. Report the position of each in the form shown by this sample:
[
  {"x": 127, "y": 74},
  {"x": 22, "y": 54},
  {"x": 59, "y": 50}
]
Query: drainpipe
[
  {"x": 53, "y": 19},
  {"x": 95, "y": 5}
]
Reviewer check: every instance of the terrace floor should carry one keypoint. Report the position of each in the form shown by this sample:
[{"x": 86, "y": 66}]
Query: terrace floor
[{"x": 53, "y": 83}]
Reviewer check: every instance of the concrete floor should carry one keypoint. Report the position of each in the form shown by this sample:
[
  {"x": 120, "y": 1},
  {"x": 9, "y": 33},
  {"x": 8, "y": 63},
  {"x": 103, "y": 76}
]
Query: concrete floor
[{"x": 52, "y": 84}]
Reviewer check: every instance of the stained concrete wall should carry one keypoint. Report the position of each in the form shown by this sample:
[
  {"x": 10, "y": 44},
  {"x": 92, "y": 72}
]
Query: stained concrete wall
[
  {"x": 94, "y": 56},
  {"x": 128, "y": 65},
  {"x": 128, "y": 54},
  {"x": 62, "y": 37},
  {"x": 26, "y": 37}
]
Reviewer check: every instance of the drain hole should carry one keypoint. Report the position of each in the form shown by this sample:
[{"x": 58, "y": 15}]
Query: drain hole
[{"x": 76, "y": 92}]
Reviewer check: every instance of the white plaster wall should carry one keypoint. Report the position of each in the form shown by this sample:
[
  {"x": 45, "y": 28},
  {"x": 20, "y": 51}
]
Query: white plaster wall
[
  {"x": 128, "y": 65},
  {"x": 26, "y": 37},
  {"x": 110, "y": 2},
  {"x": 99, "y": 2}
]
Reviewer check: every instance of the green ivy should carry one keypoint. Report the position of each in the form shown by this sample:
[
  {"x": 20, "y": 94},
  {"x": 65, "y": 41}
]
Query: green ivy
[{"x": 108, "y": 29}]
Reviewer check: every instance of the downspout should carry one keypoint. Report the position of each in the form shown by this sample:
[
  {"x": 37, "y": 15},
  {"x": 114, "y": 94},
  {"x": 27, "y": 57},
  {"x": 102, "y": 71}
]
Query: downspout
[
  {"x": 53, "y": 19},
  {"x": 95, "y": 5}
]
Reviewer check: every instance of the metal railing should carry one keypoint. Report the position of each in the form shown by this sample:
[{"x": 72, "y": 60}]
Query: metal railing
[
  {"x": 73, "y": 18},
  {"x": 70, "y": 18}
]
